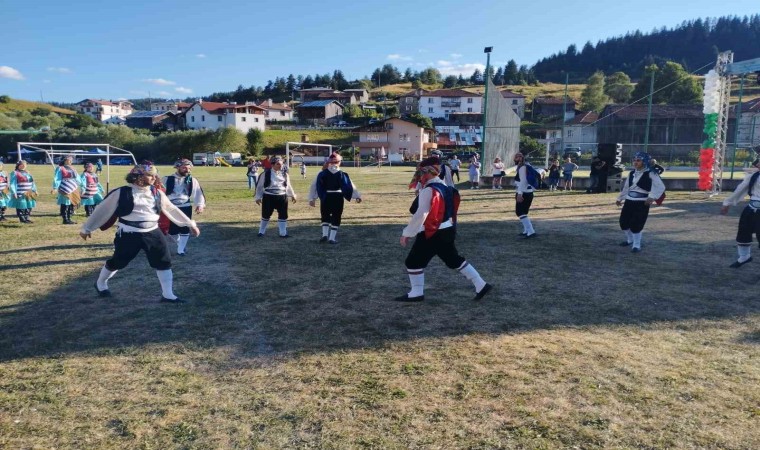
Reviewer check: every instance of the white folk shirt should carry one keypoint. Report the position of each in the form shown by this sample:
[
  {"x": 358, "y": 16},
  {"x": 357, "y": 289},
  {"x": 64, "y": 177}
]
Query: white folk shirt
[
  {"x": 523, "y": 187},
  {"x": 277, "y": 185},
  {"x": 640, "y": 195},
  {"x": 180, "y": 198},
  {"x": 143, "y": 211},
  {"x": 742, "y": 190},
  {"x": 417, "y": 222}
]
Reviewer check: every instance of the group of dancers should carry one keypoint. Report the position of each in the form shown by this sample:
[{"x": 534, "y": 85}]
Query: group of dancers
[{"x": 148, "y": 208}]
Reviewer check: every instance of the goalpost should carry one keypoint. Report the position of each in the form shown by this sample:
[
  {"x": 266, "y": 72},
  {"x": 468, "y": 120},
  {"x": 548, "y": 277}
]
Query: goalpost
[
  {"x": 54, "y": 149},
  {"x": 317, "y": 160}
]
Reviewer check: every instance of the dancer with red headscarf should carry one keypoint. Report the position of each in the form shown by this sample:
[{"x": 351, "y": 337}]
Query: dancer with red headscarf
[
  {"x": 433, "y": 225},
  {"x": 332, "y": 186}
]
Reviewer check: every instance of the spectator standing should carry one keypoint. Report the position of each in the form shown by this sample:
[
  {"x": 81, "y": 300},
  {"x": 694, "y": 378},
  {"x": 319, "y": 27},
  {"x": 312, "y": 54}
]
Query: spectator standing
[
  {"x": 498, "y": 173},
  {"x": 553, "y": 170},
  {"x": 567, "y": 173},
  {"x": 454, "y": 163},
  {"x": 474, "y": 172}
]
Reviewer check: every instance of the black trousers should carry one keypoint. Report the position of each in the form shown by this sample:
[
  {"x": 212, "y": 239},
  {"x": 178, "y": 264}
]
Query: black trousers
[
  {"x": 175, "y": 229},
  {"x": 749, "y": 224},
  {"x": 128, "y": 245},
  {"x": 440, "y": 244},
  {"x": 331, "y": 208},
  {"x": 455, "y": 172},
  {"x": 634, "y": 215},
  {"x": 523, "y": 208},
  {"x": 270, "y": 203}
]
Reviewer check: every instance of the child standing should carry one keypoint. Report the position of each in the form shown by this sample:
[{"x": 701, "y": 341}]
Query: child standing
[
  {"x": 474, "y": 172},
  {"x": 553, "y": 177}
]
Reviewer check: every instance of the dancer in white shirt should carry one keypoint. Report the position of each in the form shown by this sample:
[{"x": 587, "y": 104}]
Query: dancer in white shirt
[
  {"x": 749, "y": 222},
  {"x": 642, "y": 188}
]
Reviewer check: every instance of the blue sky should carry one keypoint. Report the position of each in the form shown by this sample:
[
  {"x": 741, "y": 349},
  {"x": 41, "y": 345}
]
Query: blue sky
[{"x": 68, "y": 51}]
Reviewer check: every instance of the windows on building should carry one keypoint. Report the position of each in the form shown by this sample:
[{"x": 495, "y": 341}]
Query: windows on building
[
  {"x": 514, "y": 102},
  {"x": 203, "y": 118},
  {"x": 430, "y": 109},
  {"x": 469, "y": 99},
  {"x": 219, "y": 118},
  {"x": 242, "y": 119},
  {"x": 430, "y": 99}
]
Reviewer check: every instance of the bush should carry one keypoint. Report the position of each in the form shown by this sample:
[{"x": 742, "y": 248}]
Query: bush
[{"x": 4, "y": 99}]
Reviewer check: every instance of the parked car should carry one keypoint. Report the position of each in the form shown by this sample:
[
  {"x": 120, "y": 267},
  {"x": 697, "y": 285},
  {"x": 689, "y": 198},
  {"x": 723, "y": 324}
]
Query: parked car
[
  {"x": 342, "y": 123},
  {"x": 573, "y": 152},
  {"x": 465, "y": 156}
]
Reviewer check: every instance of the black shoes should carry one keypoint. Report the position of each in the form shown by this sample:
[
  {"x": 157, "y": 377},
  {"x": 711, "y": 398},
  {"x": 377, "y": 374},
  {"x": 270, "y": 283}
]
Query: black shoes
[
  {"x": 260, "y": 234},
  {"x": 530, "y": 236},
  {"x": 625, "y": 244},
  {"x": 106, "y": 293},
  {"x": 332, "y": 242},
  {"x": 407, "y": 299},
  {"x": 635, "y": 250},
  {"x": 168, "y": 300},
  {"x": 284, "y": 236},
  {"x": 181, "y": 254},
  {"x": 486, "y": 289},
  {"x": 323, "y": 239},
  {"x": 737, "y": 264}
]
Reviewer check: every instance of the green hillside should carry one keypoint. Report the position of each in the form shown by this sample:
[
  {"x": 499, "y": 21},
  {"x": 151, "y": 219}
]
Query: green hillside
[
  {"x": 14, "y": 105},
  {"x": 278, "y": 138}
]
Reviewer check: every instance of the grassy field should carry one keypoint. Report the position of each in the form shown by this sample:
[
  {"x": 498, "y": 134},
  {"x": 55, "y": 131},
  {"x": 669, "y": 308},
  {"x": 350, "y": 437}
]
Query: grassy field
[
  {"x": 278, "y": 138},
  {"x": 293, "y": 344}
]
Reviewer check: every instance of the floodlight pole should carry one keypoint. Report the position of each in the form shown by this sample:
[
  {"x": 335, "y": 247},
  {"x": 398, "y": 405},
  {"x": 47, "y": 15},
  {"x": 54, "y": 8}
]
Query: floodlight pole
[
  {"x": 487, "y": 51},
  {"x": 108, "y": 168},
  {"x": 738, "y": 121}
]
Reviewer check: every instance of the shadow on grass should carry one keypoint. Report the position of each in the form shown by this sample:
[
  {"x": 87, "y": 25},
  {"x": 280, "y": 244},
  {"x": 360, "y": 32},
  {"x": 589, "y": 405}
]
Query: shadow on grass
[
  {"x": 54, "y": 248},
  {"x": 269, "y": 296}
]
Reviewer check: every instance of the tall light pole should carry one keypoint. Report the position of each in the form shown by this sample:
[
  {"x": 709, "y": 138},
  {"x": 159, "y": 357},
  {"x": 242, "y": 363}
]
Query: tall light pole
[{"x": 487, "y": 51}]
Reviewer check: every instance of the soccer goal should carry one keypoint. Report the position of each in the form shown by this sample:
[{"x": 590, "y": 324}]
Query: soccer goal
[
  {"x": 307, "y": 153},
  {"x": 80, "y": 153}
]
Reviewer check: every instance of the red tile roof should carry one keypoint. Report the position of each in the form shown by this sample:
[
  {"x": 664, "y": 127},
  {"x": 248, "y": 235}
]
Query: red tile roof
[
  {"x": 584, "y": 118},
  {"x": 509, "y": 94},
  {"x": 450, "y": 93},
  {"x": 218, "y": 108},
  {"x": 552, "y": 101}
]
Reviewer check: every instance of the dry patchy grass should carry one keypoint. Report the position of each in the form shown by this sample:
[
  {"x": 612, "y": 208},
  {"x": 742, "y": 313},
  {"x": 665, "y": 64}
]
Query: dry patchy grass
[{"x": 292, "y": 344}]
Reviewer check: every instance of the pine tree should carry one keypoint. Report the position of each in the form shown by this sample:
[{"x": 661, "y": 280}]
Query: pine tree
[{"x": 593, "y": 97}]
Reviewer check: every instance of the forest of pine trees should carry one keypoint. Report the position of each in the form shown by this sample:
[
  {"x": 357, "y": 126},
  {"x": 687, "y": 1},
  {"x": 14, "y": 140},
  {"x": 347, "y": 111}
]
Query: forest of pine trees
[{"x": 693, "y": 44}]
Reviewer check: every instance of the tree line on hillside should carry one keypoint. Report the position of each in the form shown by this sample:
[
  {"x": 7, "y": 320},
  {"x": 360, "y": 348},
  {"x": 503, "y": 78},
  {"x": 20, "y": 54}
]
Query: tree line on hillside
[{"x": 692, "y": 44}]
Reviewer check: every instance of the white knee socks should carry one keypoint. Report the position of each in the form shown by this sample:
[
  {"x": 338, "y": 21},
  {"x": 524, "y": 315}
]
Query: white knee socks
[
  {"x": 629, "y": 236},
  {"x": 471, "y": 274},
  {"x": 527, "y": 226},
  {"x": 282, "y": 225},
  {"x": 263, "y": 226},
  {"x": 333, "y": 232},
  {"x": 166, "y": 280},
  {"x": 637, "y": 240},
  {"x": 745, "y": 252},
  {"x": 103, "y": 278},
  {"x": 417, "y": 280},
  {"x": 325, "y": 229},
  {"x": 182, "y": 242}
]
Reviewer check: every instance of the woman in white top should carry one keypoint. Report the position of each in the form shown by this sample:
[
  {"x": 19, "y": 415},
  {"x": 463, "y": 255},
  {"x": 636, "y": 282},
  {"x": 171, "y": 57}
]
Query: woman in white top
[
  {"x": 474, "y": 172},
  {"x": 498, "y": 172}
]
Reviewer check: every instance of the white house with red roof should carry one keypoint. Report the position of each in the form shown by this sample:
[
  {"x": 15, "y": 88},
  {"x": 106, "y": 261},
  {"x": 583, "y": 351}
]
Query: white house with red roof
[
  {"x": 516, "y": 101},
  {"x": 105, "y": 110},
  {"x": 171, "y": 105},
  {"x": 440, "y": 103},
  {"x": 213, "y": 115}
]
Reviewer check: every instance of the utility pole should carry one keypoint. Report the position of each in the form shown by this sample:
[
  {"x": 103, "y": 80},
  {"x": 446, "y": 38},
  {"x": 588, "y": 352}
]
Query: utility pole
[
  {"x": 649, "y": 112},
  {"x": 487, "y": 51},
  {"x": 564, "y": 110}
]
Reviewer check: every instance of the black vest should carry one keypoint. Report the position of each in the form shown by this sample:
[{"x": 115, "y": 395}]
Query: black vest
[
  {"x": 188, "y": 185},
  {"x": 645, "y": 182},
  {"x": 268, "y": 179}
]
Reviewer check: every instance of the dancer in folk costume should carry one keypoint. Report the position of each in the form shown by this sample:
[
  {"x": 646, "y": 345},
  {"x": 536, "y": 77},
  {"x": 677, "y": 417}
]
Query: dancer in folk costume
[
  {"x": 332, "y": 186},
  {"x": 92, "y": 191},
  {"x": 523, "y": 196},
  {"x": 4, "y": 192},
  {"x": 66, "y": 184},
  {"x": 642, "y": 188},
  {"x": 135, "y": 209},
  {"x": 23, "y": 192},
  {"x": 749, "y": 222},
  {"x": 433, "y": 225},
  {"x": 183, "y": 191},
  {"x": 272, "y": 192}
]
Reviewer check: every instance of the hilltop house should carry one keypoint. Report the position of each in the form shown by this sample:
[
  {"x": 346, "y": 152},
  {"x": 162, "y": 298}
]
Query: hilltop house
[
  {"x": 275, "y": 112},
  {"x": 212, "y": 115},
  {"x": 409, "y": 103},
  {"x": 516, "y": 101},
  {"x": 460, "y": 130},
  {"x": 552, "y": 107},
  {"x": 396, "y": 139},
  {"x": 105, "y": 110},
  {"x": 442, "y": 102},
  {"x": 320, "y": 112},
  {"x": 347, "y": 97},
  {"x": 173, "y": 106},
  {"x": 153, "y": 120}
]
